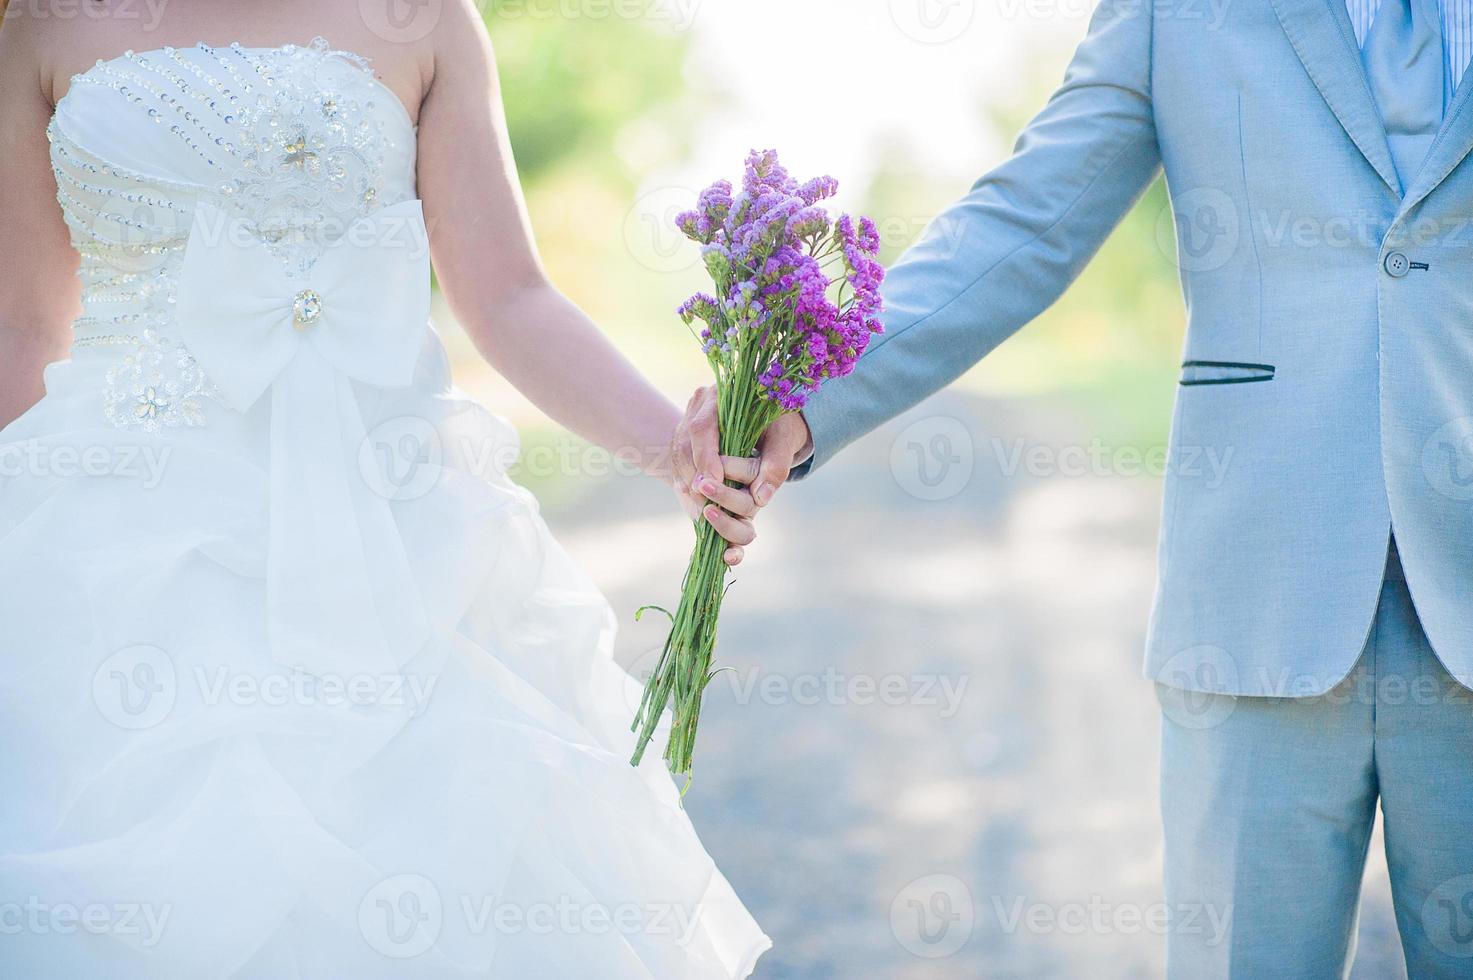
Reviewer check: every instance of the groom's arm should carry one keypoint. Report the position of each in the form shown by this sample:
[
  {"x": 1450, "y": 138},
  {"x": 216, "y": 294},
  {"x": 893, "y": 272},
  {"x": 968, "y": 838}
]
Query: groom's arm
[{"x": 1005, "y": 252}]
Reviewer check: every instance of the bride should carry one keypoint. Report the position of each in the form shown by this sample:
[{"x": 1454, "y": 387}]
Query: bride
[{"x": 293, "y": 680}]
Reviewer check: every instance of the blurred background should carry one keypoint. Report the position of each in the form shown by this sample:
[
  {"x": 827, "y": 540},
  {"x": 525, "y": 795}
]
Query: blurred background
[{"x": 936, "y": 757}]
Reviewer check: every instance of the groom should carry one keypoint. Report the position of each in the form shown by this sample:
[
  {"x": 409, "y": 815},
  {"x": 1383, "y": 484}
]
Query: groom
[{"x": 1312, "y": 636}]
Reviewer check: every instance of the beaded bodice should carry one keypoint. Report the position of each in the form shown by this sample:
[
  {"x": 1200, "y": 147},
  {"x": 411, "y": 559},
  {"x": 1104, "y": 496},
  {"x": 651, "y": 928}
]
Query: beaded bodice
[{"x": 295, "y": 143}]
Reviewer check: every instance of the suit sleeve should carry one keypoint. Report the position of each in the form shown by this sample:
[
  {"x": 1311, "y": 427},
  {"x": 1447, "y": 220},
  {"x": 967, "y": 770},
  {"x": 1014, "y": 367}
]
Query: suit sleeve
[{"x": 1004, "y": 253}]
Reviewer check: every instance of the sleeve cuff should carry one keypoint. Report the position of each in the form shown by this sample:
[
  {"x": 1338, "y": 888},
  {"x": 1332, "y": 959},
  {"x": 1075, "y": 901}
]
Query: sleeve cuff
[{"x": 824, "y": 430}]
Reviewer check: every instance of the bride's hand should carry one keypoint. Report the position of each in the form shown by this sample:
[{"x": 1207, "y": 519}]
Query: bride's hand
[{"x": 699, "y": 471}]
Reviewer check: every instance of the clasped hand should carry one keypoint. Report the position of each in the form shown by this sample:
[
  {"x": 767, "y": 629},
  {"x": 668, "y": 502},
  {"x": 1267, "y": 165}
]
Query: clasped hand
[{"x": 727, "y": 491}]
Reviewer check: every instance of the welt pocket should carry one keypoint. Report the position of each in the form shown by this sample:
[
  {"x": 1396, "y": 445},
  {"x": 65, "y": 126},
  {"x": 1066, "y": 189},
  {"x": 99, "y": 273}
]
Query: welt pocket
[{"x": 1224, "y": 373}]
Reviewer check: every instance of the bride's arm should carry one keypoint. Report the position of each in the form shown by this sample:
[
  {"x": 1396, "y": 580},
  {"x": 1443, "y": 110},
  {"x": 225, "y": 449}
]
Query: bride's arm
[
  {"x": 39, "y": 293},
  {"x": 488, "y": 266}
]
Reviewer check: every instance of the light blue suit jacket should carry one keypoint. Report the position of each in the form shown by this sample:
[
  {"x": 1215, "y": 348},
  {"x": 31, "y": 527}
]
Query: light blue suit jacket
[{"x": 1338, "y": 308}]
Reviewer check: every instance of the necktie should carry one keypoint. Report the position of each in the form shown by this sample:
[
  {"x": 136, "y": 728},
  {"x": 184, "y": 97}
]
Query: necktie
[{"x": 1403, "y": 59}]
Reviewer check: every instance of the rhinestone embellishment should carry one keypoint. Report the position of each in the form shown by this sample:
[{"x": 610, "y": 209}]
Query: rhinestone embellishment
[
  {"x": 157, "y": 385},
  {"x": 306, "y": 309},
  {"x": 151, "y": 404},
  {"x": 297, "y": 147}
]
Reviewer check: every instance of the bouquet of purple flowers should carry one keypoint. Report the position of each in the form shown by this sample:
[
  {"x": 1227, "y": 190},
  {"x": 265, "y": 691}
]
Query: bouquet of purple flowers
[{"x": 797, "y": 297}]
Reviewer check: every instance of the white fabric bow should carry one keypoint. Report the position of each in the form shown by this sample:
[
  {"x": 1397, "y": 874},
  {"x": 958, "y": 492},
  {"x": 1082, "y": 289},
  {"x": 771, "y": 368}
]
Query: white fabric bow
[{"x": 341, "y": 598}]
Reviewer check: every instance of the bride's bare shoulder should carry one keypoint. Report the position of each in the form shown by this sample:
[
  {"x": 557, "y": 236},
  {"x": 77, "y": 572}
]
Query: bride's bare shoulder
[
  {"x": 23, "y": 41},
  {"x": 61, "y": 38}
]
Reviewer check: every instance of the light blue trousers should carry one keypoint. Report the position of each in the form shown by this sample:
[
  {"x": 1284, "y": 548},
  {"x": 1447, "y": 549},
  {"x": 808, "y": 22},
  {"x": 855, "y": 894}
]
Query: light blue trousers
[{"x": 1268, "y": 805}]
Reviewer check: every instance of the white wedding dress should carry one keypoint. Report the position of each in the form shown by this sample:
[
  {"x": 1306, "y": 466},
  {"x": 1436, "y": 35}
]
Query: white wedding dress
[{"x": 293, "y": 680}]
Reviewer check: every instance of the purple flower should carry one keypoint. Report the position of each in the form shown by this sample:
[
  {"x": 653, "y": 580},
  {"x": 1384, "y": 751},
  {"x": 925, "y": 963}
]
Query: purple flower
[
  {"x": 715, "y": 201},
  {"x": 818, "y": 189},
  {"x": 799, "y": 291}
]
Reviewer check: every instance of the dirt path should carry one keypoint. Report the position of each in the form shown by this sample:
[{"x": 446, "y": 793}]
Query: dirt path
[{"x": 937, "y": 758}]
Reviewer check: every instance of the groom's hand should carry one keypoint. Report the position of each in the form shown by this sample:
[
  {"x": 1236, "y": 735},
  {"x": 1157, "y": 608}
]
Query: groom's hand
[{"x": 701, "y": 471}]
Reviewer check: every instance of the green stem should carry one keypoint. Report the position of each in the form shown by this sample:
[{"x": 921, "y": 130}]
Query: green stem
[{"x": 684, "y": 669}]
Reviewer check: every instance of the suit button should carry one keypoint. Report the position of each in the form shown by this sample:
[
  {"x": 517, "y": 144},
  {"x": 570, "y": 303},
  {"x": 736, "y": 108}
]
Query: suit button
[{"x": 1396, "y": 265}]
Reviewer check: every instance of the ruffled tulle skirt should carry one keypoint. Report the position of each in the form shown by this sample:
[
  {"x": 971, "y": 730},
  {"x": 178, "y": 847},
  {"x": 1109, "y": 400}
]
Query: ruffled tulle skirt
[{"x": 176, "y": 803}]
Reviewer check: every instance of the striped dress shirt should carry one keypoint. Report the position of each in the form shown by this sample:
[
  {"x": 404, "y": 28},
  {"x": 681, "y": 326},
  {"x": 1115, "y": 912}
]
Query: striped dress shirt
[{"x": 1457, "y": 36}]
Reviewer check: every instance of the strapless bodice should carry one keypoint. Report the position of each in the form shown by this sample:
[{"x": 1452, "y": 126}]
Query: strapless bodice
[{"x": 293, "y": 144}]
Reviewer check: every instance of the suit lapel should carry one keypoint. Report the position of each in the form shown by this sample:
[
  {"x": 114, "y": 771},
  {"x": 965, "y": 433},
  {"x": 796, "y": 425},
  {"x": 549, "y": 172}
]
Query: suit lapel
[
  {"x": 1453, "y": 143},
  {"x": 1321, "y": 34}
]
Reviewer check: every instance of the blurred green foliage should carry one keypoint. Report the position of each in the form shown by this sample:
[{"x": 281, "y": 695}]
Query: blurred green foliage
[
  {"x": 1109, "y": 346},
  {"x": 570, "y": 84},
  {"x": 596, "y": 106}
]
